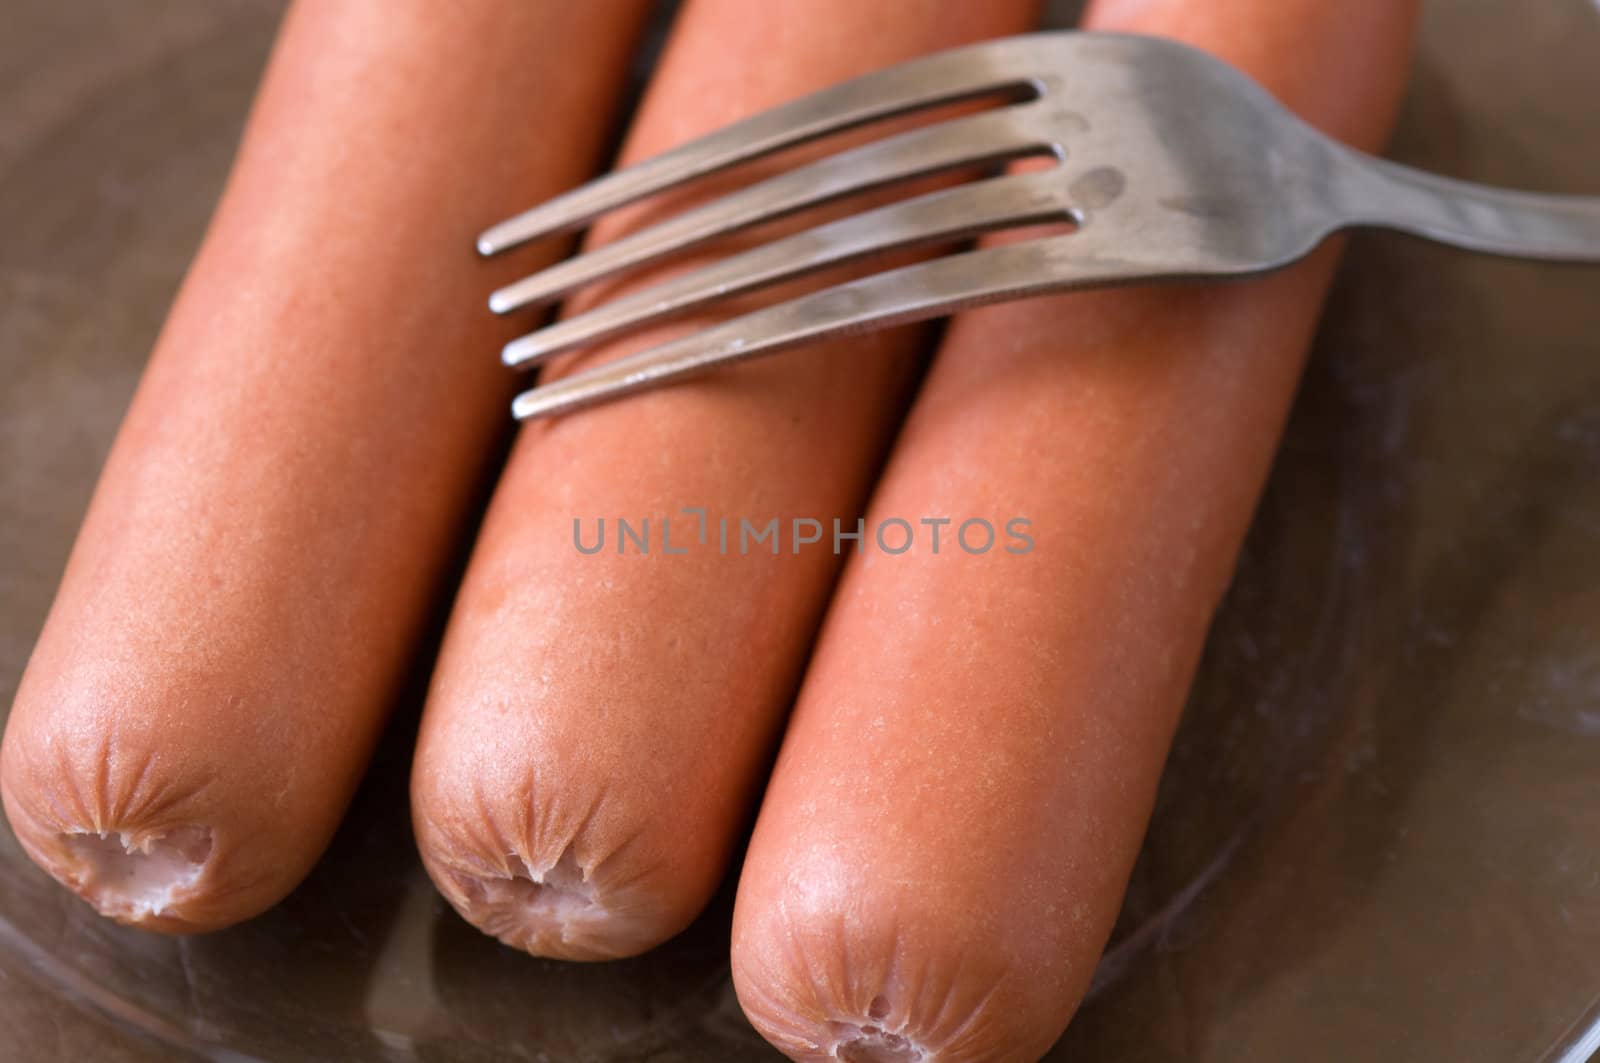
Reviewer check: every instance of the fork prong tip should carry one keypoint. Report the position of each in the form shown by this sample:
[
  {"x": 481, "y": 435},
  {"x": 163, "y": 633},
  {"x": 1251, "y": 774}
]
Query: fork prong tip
[
  {"x": 526, "y": 406},
  {"x": 513, "y": 354}
]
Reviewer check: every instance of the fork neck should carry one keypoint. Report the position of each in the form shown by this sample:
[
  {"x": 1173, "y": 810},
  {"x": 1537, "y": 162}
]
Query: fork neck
[{"x": 1383, "y": 194}]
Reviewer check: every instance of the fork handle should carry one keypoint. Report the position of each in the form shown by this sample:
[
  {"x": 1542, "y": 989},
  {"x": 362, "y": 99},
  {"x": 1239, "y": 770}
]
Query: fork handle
[{"x": 1473, "y": 216}]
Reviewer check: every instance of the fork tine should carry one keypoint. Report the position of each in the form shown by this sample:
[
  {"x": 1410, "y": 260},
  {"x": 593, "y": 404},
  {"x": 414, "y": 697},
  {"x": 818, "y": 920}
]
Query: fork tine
[
  {"x": 927, "y": 82},
  {"x": 952, "y": 213},
  {"x": 912, "y": 293},
  {"x": 993, "y": 136}
]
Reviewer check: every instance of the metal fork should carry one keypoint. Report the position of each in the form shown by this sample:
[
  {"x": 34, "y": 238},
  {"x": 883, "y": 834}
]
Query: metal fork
[{"x": 1170, "y": 164}]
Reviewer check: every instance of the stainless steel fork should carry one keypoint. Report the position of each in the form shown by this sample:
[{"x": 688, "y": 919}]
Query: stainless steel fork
[{"x": 1170, "y": 164}]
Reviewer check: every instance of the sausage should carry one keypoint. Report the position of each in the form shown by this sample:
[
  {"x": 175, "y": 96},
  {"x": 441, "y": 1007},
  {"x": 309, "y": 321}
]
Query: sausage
[
  {"x": 973, "y": 757},
  {"x": 282, "y": 498},
  {"x": 597, "y": 725}
]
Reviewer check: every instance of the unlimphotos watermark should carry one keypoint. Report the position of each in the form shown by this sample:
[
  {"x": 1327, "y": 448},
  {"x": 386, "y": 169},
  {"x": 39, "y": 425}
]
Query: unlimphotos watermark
[{"x": 698, "y": 530}]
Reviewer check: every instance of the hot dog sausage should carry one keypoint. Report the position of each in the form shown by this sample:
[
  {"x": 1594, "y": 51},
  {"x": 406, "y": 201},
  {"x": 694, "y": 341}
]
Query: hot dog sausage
[
  {"x": 973, "y": 757},
  {"x": 597, "y": 724},
  {"x": 258, "y": 558}
]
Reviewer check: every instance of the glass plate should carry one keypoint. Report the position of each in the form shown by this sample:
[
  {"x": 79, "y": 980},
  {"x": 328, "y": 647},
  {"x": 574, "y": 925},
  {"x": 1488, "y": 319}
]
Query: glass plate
[{"x": 1377, "y": 837}]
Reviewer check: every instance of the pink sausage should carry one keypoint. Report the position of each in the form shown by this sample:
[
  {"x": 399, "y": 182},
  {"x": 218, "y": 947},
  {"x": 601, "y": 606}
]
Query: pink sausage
[
  {"x": 598, "y": 725},
  {"x": 972, "y": 761},
  {"x": 245, "y": 594}
]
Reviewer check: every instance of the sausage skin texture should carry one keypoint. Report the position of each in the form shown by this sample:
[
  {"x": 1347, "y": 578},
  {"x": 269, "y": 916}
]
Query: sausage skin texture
[
  {"x": 973, "y": 758},
  {"x": 256, "y": 564},
  {"x": 598, "y": 725}
]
